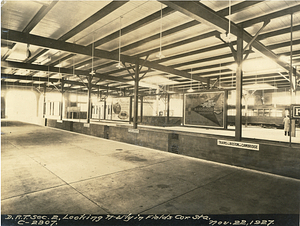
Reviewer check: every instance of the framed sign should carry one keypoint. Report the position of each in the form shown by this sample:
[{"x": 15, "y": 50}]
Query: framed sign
[
  {"x": 204, "y": 109},
  {"x": 296, "y": 111}
]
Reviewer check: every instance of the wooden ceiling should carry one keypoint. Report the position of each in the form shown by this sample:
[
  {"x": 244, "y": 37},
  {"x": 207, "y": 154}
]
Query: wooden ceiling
[{"x": 45, "y": 41}]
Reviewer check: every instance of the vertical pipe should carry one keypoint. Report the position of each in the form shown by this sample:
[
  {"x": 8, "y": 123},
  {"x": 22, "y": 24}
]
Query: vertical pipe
[
  {"x": 168, "y": 108},
  {"x": 291, "y": 79},
  {"x": 104, "y": 109},
  {"x": 44, "y": 104},
  {"x": 136, "y": 92},
  {"x": 130, "y": 110},
  {"x": 62, "y": 98},
  {"x": 225, "y": 109},
  {"x": 141, "y": 98},
  {"x": 239, "y": 87},
  {"x": 89, "y": 99}
]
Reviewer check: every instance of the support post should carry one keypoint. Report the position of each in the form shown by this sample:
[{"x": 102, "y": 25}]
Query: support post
[
  {"x": 44, "y": 103},
  {"x": 291, "y": 80},
  {"x": 225, "y": 109},
  {"x": 141, "y": 99},
  {"x": 104, "y": 110},
  {"x": 89, "y": 99},
  {"x": 239, "y": 88},
  {"x": 168, "y": 108},
  {"x": 130, "y": 110},
  {"x": 136, "y": 93},
  {"x": 62, "y": 98}
]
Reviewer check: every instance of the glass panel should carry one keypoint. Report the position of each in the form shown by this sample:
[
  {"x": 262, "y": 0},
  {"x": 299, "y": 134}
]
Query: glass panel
[
  {"x": 267, "y": 112},
  {"x": 255, "y": 112},
  {"x": 176, "y": 105}
]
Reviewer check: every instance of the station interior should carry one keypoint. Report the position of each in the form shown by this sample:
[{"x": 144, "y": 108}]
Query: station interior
[{"x": 150, "y": 107}]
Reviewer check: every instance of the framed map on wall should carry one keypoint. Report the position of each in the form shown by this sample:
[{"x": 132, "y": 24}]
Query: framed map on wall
[{"x": 205, "y": 109}]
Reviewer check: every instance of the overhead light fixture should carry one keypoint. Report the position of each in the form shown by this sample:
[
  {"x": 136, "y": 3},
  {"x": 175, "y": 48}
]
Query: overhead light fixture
[
  {"x": 227, "y": 36},
  {"x": 119, "y": 65},
  {"x": 160, "y": 55},
  {"x": 259, "y": 86}
]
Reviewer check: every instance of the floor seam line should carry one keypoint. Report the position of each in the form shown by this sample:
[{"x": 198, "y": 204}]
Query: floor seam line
[
  {"x": 33, "y": 192},
  {"x": 141, "y": 167}
]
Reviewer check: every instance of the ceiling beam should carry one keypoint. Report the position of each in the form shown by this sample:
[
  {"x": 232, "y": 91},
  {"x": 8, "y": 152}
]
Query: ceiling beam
[
  {"x": 39, "y": 16},
  {"x": 79, "y": 49},
  {"x": 200, "y": 12}
]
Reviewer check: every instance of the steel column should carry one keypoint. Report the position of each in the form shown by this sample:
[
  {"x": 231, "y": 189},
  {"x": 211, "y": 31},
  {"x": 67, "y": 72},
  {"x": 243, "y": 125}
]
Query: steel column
[
  {"x": 141, "y": 98},
  {"x": 62, "y": 98},
  {"x": 136, "y": 92},
  {"x": 89, "y": 98},
  {"x": 130, "y": 110},
  {"x": 239, "y": 87},
  {"x": 168, "y": 108}
]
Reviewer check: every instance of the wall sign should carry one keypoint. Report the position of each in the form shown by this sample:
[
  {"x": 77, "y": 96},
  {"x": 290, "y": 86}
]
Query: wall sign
[
  {"x": 204, "y": 109},
  {"x": 296, "y": 111},
  {"x": 235, "y": 144},
  {"x": 133, "y": 131}
]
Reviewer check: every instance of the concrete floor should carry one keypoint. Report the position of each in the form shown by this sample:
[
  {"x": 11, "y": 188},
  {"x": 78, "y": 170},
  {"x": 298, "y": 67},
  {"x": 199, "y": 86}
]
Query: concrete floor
[{"x": 46, "y": 171}]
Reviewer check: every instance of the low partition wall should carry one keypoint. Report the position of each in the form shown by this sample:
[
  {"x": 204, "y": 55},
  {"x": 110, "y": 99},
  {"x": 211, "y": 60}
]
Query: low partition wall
[{"x": 273, "y": 157}]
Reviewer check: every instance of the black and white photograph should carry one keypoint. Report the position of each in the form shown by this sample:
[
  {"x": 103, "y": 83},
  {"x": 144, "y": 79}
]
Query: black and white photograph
[{"x": 149, "y": 112}]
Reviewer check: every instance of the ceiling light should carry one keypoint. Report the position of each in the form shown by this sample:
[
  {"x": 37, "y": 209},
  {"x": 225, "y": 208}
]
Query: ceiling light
[
  {"x": 227, "y": 36},
  {"x": 119, "y": 65},
  {"x": 190, "y": 90},
  {"x": 259, "y": 86}
]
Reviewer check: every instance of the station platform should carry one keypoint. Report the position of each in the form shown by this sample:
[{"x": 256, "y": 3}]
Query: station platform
[{"x": 47, "y": 170}]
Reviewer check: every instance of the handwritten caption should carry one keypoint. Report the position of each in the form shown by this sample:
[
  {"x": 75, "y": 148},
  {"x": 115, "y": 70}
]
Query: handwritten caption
[{"x": 53, "y": 220}]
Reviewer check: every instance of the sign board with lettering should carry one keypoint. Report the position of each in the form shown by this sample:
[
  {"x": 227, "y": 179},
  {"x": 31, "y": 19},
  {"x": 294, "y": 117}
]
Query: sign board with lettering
[
  {"x": 204, "y": 109},
  {"x": 236, "y": 144},
  {"x": 296, "y": 111},
  {"x": 133, "y": 131},
  {"x": 86, "y": 125}
]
